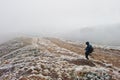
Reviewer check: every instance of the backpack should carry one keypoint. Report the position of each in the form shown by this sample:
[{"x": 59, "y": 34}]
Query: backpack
[{"x": 91, "y": 49}]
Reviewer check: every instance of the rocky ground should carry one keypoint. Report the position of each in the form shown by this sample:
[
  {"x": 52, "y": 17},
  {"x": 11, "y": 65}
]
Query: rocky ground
[{"x": 56, "y": 59}]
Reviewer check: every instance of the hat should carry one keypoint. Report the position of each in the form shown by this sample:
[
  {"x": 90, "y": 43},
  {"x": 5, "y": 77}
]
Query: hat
[{"x": 87, "y": 43}]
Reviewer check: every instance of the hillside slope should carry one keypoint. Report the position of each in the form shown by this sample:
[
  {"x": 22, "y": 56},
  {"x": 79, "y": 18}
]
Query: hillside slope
[
  {"x": 55, "y": 59},
  {"x": 104, "y": 35}
]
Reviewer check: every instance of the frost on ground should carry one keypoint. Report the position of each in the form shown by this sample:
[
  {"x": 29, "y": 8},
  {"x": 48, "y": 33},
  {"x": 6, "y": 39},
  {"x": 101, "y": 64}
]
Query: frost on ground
[{"x": 46, "y": 59}]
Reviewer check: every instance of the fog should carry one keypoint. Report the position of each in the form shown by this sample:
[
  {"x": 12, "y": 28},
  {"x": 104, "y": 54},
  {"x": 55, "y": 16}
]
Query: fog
[
  {"x": 102, "y": 35},
  {"x": 55, "y": 17}
]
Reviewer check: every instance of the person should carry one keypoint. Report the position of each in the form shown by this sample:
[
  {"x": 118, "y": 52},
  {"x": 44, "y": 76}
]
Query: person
[{"x": 88, "y": 50}]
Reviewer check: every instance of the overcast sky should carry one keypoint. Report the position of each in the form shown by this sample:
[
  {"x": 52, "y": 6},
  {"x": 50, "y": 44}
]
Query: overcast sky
[{"x": 55, "y": 16}]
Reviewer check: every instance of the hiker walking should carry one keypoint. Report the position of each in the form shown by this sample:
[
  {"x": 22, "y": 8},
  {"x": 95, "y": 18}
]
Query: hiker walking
[{"x": 88, "y": 50}]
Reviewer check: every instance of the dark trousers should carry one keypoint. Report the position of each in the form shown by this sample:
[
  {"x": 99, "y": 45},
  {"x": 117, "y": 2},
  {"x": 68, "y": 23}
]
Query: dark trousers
[{"x": 86, "y": 55}]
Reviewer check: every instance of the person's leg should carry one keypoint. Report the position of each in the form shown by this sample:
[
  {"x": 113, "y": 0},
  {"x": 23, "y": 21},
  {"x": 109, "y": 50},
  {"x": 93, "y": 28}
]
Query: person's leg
[{"x": 86, "y": 55}]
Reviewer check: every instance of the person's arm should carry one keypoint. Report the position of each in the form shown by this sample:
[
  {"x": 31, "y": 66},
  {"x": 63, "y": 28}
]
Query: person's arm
[{"x": 87, "y": 48}]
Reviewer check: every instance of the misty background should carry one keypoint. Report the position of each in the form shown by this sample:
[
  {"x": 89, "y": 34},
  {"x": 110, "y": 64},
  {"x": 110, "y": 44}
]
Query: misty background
[{"x": 97, "y": 21}]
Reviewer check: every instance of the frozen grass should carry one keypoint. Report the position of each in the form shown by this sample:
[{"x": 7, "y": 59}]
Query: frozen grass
[{"x": 53, "y": 59}]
